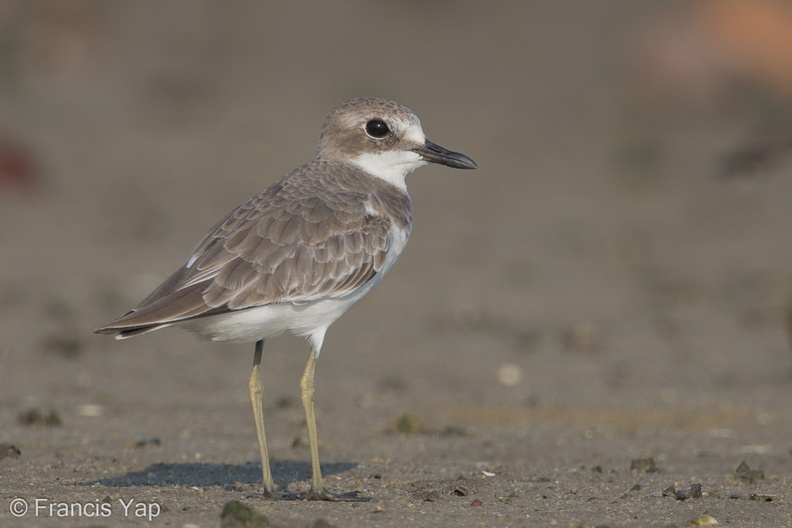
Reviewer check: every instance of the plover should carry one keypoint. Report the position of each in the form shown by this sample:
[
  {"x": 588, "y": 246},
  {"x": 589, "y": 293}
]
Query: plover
[{"x": 299, "y": 254}]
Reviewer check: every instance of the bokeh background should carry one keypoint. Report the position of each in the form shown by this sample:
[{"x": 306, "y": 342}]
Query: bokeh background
[{"x": 614, "y": 281}]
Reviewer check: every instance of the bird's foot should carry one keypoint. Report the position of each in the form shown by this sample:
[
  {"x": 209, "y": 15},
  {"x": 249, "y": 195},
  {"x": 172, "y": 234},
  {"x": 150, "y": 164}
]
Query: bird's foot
[{"x": 274, "y": 494}]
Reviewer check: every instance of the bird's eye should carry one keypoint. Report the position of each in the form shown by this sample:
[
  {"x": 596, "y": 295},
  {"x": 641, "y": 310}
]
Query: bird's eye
[{"x": 377, "y": 129}]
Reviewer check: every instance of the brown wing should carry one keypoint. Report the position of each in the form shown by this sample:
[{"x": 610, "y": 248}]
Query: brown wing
[{"x": 291, "y": 243}]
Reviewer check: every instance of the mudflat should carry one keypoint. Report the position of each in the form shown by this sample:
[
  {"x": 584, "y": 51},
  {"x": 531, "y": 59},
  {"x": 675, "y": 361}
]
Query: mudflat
[{"x": 589, "y": 330}]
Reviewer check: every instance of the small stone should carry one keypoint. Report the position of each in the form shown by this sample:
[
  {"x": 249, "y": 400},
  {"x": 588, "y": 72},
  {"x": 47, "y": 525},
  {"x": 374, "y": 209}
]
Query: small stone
[
  {"x": 636, "y": 487},
  {"x": 148, "y": 442},
  {"x": 670, "y": 491},
  {"x": 9, "y": 451},
  {"x": 476, "y": 502},
  {"x": 427, "y": 492},
  {"x": 643, "y": 465},
  {"x": 761, "y": 498},
  {"x": 406, "y": 423},
  {"x": 36, "y": 417},
  {"x": 748, "y": 475},
  {"x": 702, "y": 520},
  {"x": 693, "y": 491},
  {"x": 510, "y": 374},
  {"x": 238, "y": 515}
]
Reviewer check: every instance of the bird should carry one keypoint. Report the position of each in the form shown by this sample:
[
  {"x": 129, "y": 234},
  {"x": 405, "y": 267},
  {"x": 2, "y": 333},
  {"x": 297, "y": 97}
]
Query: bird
[{"x": 295, "y": 257}]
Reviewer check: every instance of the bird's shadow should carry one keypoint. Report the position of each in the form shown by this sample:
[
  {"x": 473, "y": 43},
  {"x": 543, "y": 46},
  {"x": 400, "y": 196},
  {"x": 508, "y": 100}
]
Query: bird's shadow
[{"x": 206, "y": 474}]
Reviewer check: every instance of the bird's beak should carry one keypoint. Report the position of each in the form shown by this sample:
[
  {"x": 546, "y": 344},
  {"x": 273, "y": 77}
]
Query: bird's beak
[{"x": 434, "y": 153}]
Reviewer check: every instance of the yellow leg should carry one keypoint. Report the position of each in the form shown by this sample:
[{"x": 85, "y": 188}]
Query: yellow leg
[
  {"x": 255, "y": 388},
  {"x": 318, "y": 491},
  {"x": 307, "y": 395}
]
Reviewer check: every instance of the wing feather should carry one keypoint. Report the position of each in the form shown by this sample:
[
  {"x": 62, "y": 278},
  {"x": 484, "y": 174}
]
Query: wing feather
[{"x": 292, "y": 243}]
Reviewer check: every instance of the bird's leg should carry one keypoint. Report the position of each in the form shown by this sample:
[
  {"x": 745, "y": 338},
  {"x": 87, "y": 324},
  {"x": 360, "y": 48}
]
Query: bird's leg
[
  {"x": 307, "y": 396},
  {"x": 255, "y": 388},
  {"x": 318, "y": 491}
]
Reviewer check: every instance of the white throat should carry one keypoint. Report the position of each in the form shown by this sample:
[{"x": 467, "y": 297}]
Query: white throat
[{"x": 392, "y": 166}]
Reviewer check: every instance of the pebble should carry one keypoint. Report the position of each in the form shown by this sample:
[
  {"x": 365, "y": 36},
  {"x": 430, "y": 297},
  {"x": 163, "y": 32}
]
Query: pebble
[{"x": 748, "y": 475}]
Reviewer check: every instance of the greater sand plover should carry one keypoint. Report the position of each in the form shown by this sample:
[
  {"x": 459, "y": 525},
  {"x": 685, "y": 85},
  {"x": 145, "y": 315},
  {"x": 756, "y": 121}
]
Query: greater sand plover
[{"x": 299, "y": 254}]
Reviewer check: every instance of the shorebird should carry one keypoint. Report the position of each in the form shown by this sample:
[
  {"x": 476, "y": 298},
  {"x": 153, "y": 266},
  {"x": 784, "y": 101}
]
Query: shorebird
[{"x": 299, "y": 254}]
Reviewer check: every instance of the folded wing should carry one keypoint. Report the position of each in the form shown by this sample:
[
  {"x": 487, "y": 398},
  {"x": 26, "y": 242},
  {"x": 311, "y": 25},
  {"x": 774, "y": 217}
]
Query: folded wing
[{"x": 275, "y": 248}]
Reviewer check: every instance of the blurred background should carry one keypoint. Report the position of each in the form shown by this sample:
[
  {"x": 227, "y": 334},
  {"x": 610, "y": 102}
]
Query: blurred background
[{"x": 625, "y": 241}]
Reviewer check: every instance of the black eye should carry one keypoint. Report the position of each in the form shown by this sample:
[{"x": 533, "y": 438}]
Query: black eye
[{"x": 377, "y": 129}]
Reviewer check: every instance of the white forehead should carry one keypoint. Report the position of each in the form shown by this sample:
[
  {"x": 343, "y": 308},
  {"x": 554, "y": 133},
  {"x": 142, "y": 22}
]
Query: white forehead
[{"x": 410, "y": 131}]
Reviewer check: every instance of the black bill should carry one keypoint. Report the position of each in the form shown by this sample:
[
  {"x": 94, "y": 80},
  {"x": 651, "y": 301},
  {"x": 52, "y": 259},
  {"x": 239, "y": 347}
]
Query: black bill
[{"x": 434, "y": 153}]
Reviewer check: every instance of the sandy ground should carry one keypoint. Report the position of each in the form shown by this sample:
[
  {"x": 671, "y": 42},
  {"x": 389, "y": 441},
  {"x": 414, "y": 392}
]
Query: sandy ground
[{"x": 595, "y": 295}]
